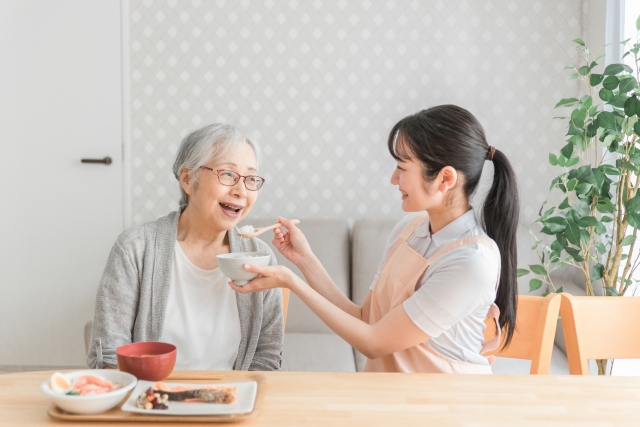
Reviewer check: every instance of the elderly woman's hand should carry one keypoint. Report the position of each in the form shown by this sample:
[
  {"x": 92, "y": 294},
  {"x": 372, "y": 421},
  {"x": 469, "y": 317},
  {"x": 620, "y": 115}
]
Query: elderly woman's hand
[
  {"x": 274, "y": 276},
  {"x": 293, "y": 243}
]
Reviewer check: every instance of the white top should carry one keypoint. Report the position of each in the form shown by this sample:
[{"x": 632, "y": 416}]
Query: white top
[
  {"x": 202, "y": 318},
  {"x": 455, "y": 292}
]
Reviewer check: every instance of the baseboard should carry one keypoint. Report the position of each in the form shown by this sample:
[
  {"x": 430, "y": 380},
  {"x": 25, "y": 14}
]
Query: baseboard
[{"x": 27, "y": 368}]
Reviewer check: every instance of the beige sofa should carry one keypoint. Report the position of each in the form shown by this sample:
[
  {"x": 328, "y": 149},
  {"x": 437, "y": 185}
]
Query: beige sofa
[{"x": 351, "y": 256}]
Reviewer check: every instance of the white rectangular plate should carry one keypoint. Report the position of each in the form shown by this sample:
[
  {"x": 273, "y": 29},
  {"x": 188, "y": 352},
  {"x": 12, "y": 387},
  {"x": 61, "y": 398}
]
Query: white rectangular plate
[{"x": 246, "y": 398}]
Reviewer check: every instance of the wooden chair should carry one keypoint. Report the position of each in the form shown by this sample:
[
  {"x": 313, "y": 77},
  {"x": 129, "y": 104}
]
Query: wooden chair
[
  {"x": 285, "y": 303},
  {"x": 537, "y": 318},
  {"x": 599, "y": 328}
]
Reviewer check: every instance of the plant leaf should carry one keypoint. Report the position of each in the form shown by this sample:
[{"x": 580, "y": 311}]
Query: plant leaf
[
  {"x": 596, "y": 272},
  {"x": 612, "y": 291},
  {"x": 633, "y": 204},
  {"x": 556, "y": 223},
  {"x": 609, "y": 170},
  {"x": 606, "y": 95},
  {"x": 538, "y": 269},
  {"x": 522, "y": 272},
  {"x": 605, "y": 206},
  {"x": 583, "y": 188},
  {"x": 572, "y": 162},
  {"x": 633, "y": 219},
  {"x": 600, "y": 247},
  {"x": 627, "y": 85},
  {"x": 628, "y": 240},
  {"x": 595, "y": 79},
  {"x": 567, "y": 150},
  {"x": 611, "y": 82},
  {"x": 572, "y": 233},
  {"x": 587, "y": 221},
  {"x": 535, "y": 284},
  {"x": 607, "y": 120},
  {"x": 579, "y": 41},
  {"x": 566, "y": 102},
  {"x": 575, "y": 254},
  {"x": 613, "y": 69}
]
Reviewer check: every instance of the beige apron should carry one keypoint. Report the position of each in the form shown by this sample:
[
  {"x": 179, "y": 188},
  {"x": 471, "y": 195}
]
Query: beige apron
[{"x": 402, "y": 270}]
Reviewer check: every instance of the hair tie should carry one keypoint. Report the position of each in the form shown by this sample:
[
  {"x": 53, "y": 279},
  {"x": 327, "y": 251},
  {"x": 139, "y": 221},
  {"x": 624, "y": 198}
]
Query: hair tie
[{"x": 492, "y": 151}]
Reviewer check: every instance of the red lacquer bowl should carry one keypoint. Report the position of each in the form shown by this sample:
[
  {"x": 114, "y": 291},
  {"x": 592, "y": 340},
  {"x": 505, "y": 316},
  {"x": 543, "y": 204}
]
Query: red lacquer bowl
[{"x": 151, "y": 361}]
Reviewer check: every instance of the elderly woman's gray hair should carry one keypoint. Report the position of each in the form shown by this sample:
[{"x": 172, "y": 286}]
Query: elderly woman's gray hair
[{"x": 212, "y": 142}]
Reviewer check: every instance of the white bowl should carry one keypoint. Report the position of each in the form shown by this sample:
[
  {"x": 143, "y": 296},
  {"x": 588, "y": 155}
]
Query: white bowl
[
  {"x": 232, "y": 265},
  {"x": 92, "y": 403}
]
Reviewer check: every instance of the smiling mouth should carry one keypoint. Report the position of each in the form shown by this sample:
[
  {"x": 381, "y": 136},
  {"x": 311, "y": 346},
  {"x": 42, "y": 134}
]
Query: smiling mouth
[{"x": 230, "y": 207}]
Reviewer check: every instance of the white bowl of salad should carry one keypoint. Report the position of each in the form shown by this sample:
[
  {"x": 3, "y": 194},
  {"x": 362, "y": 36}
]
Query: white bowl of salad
[{"x": 88, "y": 392}]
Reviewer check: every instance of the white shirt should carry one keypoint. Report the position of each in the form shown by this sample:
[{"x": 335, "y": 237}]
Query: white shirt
[
  {"x": 456, "y": 291},
  {"x": 202, "y": 318}
]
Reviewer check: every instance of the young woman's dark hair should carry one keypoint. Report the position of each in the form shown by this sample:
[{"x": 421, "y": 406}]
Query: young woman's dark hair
[{"x": 448, "y": 135}]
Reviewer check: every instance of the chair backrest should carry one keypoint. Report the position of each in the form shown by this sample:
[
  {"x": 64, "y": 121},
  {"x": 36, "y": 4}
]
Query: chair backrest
[
  {"x": 599, "y": 328},
  {"x": 536, "y": 322},
  {"x": 285, "y": 304}
]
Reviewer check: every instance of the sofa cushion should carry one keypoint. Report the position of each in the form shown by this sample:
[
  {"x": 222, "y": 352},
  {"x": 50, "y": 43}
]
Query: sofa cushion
[
  {"x": 316, "y": 353},
  {"x": 329, "y": 240},
  {"x": 368, "y": 243}
]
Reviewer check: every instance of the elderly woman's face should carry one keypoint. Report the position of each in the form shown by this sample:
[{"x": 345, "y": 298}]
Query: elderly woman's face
[{"x": 225, "y": 205}]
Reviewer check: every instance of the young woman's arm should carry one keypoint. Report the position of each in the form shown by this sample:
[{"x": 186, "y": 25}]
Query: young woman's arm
[
  {"x": 294, "y": 246},
  {"x": 373, "y": 341}
]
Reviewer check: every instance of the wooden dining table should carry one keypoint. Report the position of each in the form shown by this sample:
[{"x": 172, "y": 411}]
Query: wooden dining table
[{"x": 390, "y": 399}]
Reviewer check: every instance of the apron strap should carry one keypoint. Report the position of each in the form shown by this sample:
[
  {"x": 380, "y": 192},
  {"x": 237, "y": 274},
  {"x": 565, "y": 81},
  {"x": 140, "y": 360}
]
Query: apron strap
[
  {"x": 494, "y": 311},
  {"x": 406, "y": 233}
]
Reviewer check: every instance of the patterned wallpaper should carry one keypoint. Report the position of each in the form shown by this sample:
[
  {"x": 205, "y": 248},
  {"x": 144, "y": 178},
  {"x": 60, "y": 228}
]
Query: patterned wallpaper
[{"x": 319, "y": 84}]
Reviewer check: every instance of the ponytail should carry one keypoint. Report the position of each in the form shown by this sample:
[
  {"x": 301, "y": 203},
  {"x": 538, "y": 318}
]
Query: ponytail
[
  {"x": 448, "y": 135},
  {"x": 500, "y": 215}
]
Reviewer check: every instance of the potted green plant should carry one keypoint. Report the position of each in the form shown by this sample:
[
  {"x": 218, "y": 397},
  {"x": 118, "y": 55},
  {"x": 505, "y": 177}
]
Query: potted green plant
[{"x": 594, "y": 228}]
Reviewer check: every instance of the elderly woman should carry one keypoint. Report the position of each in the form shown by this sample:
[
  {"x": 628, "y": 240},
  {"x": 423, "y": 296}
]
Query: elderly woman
[{"x": 162, "y": 281}]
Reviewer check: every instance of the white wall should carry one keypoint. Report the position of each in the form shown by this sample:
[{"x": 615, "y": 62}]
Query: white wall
[{"x": 320, "y": 84}]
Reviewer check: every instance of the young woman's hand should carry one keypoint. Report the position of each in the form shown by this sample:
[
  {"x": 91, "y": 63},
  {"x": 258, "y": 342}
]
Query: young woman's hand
[
  {"x": 274, "y": 276},
  {"x": 292, "y": 244}
]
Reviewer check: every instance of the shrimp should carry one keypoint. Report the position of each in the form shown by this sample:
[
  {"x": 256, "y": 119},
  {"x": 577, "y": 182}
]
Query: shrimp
[{"x": 87, "y": 384}]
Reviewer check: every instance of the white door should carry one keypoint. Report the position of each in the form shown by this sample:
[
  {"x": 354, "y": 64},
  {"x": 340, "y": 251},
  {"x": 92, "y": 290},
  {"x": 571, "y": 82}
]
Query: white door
[{"x": 60, "y": 102}]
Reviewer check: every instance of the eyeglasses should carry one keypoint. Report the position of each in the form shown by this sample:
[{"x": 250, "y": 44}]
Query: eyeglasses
[{"x": 231, "y": 178}]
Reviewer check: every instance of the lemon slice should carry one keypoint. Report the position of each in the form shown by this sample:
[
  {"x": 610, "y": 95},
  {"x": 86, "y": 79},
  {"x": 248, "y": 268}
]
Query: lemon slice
[{"x": 59, "y": 384}]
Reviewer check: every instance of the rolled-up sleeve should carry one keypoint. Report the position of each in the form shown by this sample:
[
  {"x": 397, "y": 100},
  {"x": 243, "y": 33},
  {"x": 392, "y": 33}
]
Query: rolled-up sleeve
[{"x": 454, "y": 287}]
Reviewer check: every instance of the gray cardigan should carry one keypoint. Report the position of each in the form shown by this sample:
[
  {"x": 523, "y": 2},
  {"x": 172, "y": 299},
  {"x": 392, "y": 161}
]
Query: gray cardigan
[{"x": 132, "y": 299}]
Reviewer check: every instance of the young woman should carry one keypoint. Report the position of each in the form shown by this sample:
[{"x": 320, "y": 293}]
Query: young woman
[{"x": 441, "y": 272}]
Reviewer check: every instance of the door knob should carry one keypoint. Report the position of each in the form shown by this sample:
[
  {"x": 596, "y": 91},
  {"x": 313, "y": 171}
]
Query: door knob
[{"x": 107, "y": 160}]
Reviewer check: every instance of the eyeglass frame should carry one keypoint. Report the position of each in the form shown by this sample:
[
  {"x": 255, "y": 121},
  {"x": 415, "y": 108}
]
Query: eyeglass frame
[{"x": 244, "y": 177}]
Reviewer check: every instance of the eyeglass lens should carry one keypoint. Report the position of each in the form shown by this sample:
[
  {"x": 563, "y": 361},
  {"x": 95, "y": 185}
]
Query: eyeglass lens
[{"x": 231, "y": 178}]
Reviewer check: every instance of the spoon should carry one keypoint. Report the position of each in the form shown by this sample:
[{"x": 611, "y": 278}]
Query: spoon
[{"x": 258, "y": 231}]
